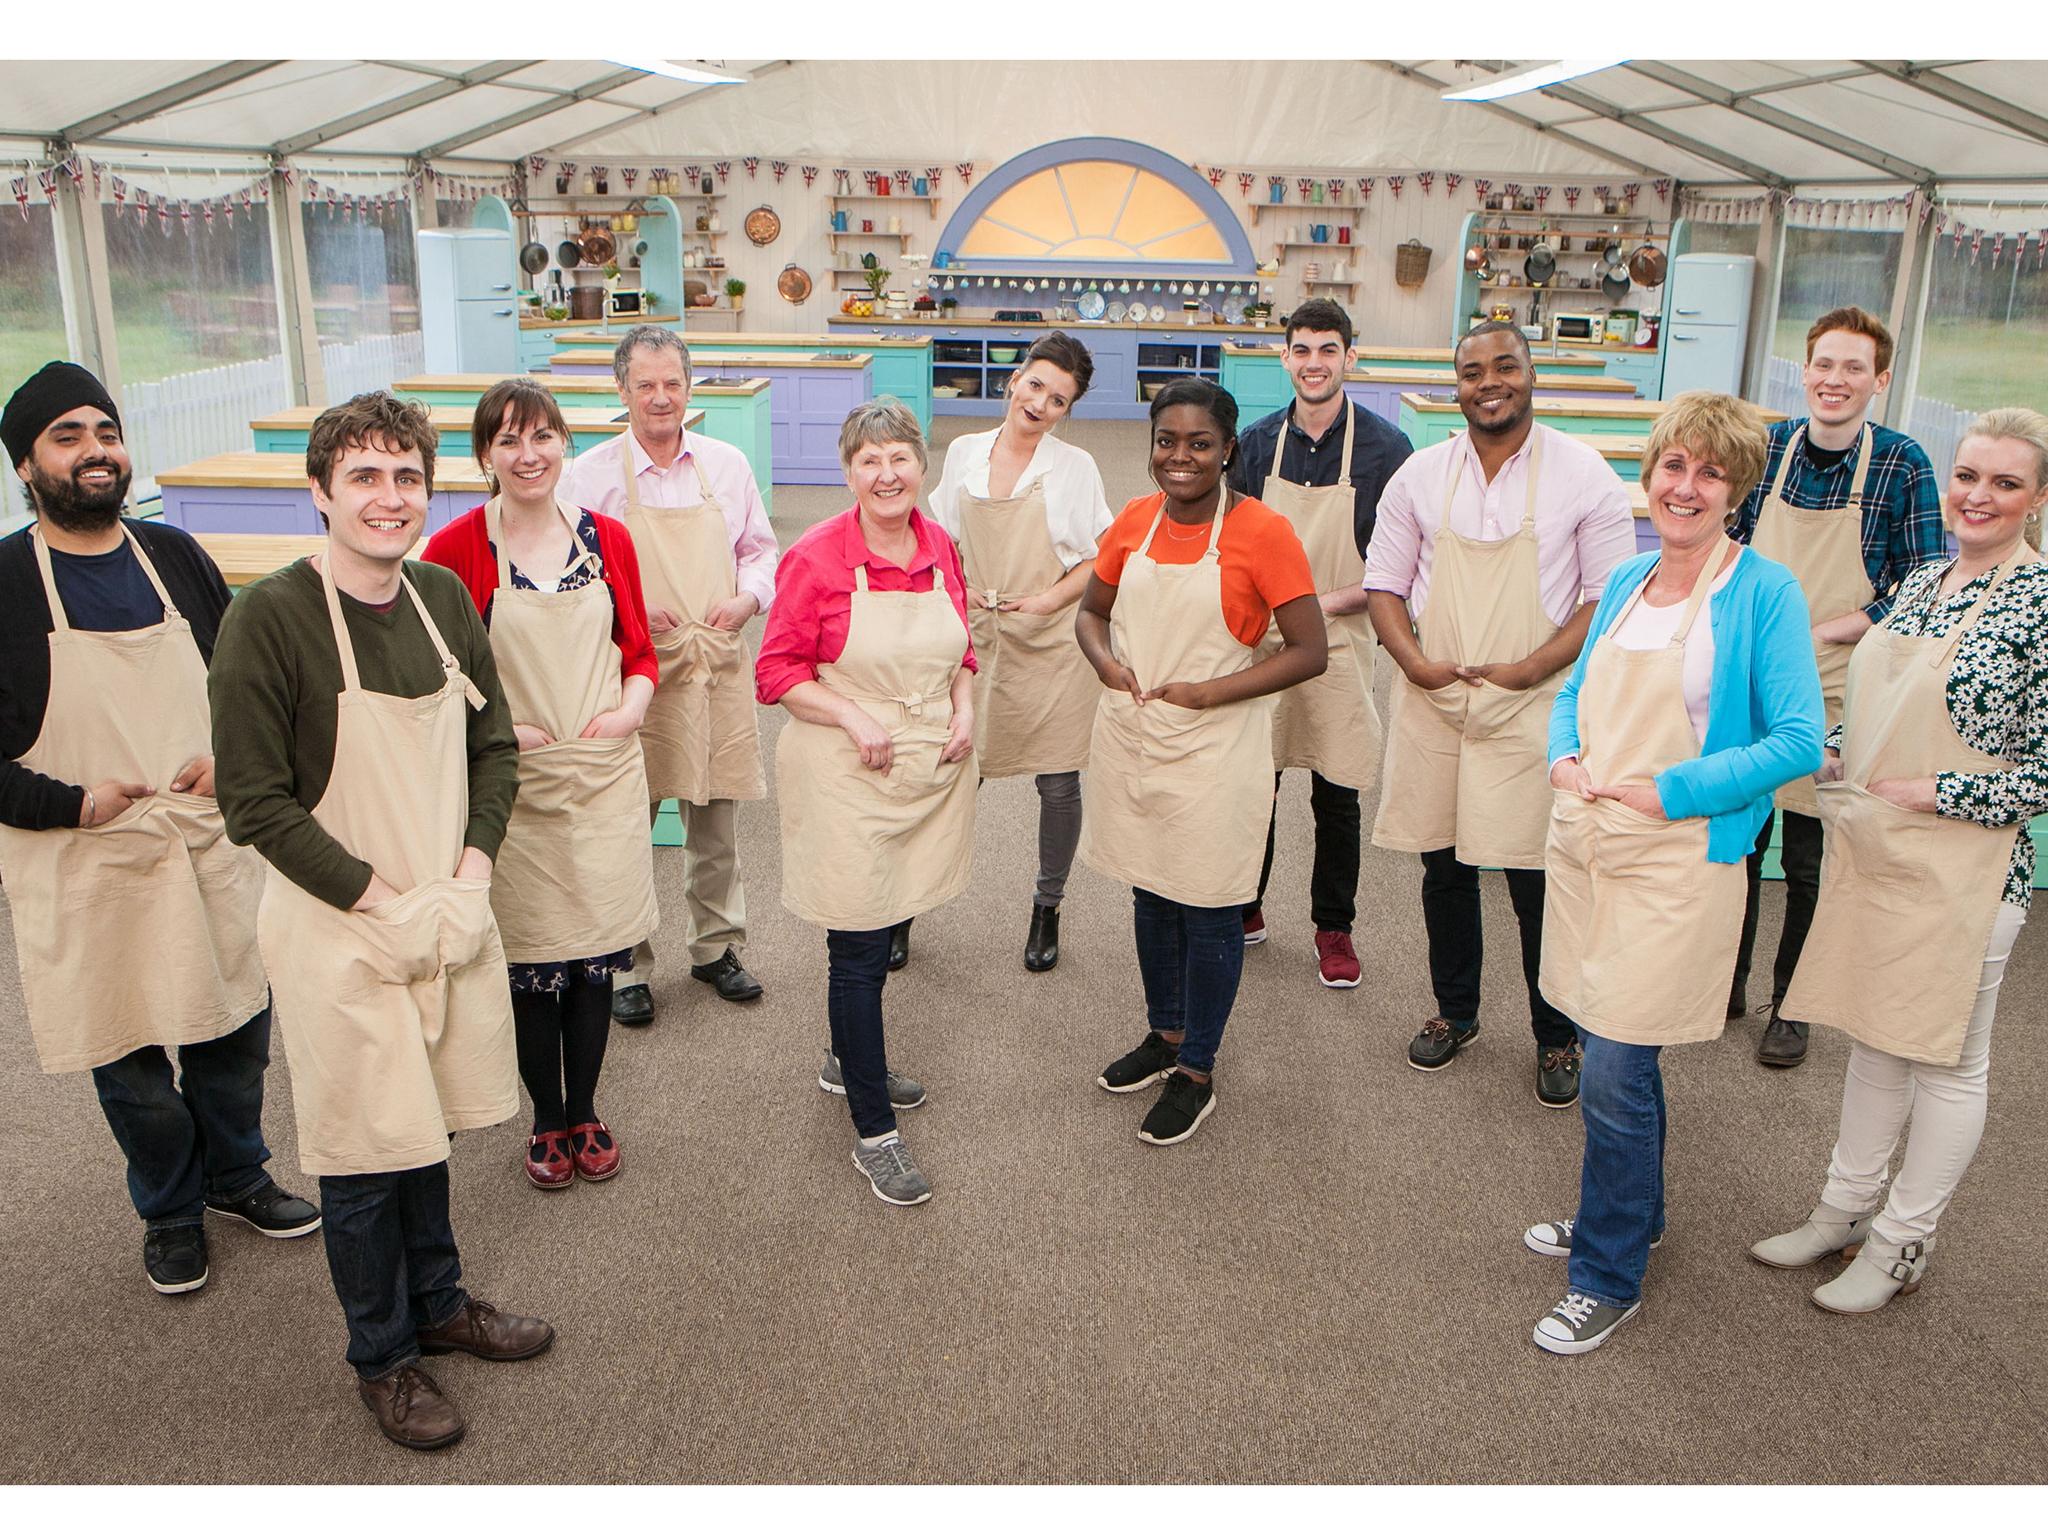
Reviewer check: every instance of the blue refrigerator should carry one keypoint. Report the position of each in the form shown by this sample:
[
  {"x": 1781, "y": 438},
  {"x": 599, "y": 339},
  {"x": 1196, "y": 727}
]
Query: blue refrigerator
[
  {"x": 1706, "y": 323},
  {"x": 469, "y": 311}
]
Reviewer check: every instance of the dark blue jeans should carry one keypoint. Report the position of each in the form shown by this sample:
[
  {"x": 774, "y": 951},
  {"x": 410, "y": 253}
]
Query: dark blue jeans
[
  {"x": 1621, "y": 1183},
  {"x": 857, "y": 965},
  {"x": 391, "y": 1251},
  {"x": 198, "y": 1136},
  {"x": 1190, "y": 959}
]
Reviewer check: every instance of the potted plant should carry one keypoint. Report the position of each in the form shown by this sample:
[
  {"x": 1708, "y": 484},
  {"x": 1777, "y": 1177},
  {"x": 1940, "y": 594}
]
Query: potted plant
[
  {"x": 948, "y": 304},
  {"x": 876, "y": 275},
  {"x": 735, "y": 292}
]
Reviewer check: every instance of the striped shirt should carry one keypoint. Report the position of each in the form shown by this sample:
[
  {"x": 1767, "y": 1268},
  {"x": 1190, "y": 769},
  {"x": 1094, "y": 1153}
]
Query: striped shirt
[{"x": 1901, "y": 505}]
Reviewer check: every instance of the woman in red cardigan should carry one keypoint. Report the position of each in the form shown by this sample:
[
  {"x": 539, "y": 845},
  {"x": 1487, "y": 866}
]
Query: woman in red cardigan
[{"x": 573, "y": 890}]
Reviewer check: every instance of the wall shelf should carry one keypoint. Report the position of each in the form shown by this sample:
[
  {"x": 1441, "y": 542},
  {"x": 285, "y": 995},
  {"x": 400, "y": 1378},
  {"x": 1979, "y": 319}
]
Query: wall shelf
[
  {"x": 1316, "y": 245},
  {"x": 867, "y": 234},
  {"x": 930, "y": 198},
  {"x": 1301, "y": 208}
]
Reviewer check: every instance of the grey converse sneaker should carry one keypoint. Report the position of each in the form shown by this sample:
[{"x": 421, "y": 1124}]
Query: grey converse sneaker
[
  {"x": 904, "y": 1092},
  {"x": 1579, "y": 1324},
  {"x": 893, "y": 1172},
  {"x": 1554, "y": 1238}
]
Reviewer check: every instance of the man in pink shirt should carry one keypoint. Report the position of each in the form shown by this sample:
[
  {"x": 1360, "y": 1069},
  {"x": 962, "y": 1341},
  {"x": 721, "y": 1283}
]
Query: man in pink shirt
[
  {"x": 1487, "y": 556},
  {"x": 707, "y": 562}
]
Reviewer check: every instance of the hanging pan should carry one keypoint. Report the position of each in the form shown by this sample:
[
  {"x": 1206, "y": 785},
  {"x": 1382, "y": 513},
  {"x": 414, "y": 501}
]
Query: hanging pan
[
  {"x": 533, "y": 258},
  {"x": 1541, "y": 263},
  {"x": 794, "y": 284},
  {"x": 1614, "y": 284},
  {"x": 569, "y": 254},
  {"x": 1646, "y": 264}
]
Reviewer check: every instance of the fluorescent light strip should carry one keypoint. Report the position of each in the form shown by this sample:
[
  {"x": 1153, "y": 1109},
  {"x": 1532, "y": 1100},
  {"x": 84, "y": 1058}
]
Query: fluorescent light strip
[
  {"x": 670, "y": 70},
  {"x": 1534, "y": 78}
]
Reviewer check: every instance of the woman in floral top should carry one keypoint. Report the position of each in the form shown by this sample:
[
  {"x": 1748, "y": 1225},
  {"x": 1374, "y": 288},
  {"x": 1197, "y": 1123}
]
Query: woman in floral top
[{"x": 1958, "y": 672}]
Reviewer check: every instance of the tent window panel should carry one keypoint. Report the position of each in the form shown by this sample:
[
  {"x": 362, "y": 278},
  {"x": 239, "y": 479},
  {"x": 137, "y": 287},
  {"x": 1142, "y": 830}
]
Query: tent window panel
[
  {"x": 1723, "y": 239},
  {"x": 364, "y": 278},
  {"x": 191, "y": 297},
  {"x": 31, "y": 319},
  {"x": 1970, "y": 360},
  {"x": 1826, "y": 269}
]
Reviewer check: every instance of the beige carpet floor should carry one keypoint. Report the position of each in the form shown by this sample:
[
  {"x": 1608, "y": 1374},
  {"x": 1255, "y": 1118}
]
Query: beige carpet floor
[{"x": 1326, "y": 1284}]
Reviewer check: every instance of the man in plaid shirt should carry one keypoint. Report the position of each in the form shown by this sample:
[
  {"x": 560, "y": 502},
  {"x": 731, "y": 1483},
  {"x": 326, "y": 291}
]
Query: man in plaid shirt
[{"x": 1848, "y": 365}]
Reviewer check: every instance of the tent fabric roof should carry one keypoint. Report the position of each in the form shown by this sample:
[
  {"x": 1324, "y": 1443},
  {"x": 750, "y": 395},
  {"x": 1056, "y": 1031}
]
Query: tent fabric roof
[{"x": 1718, "y": 122}]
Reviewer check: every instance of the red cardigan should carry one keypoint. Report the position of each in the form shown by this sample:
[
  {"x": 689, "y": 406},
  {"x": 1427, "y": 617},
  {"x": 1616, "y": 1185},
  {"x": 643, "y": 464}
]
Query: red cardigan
[{"x": 465, "y": 549}]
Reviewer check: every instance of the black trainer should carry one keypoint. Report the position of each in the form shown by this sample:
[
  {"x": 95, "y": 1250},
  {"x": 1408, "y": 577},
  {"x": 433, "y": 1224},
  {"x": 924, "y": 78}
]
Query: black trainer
[
  {"x": 175, "y": 1259},
  {"x": 1438, "y": 1041},
  {"x": 1151, "y": 1061},
  {"x": 1557, "y": 1076},
  {"x": 271, "y": 1211},
  {"x": 1183, "y": 1105}
]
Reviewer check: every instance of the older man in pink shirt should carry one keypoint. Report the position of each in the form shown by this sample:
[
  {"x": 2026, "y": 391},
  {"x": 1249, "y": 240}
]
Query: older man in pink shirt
[
  {"x": 707, "y": 563},
  {"x": 1486, "y": 559}
]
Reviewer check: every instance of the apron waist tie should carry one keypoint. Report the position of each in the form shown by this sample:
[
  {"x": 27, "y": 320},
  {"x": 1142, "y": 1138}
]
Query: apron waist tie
[{"x": 912, "y": 704}]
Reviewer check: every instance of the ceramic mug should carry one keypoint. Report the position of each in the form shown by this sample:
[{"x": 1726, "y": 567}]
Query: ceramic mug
[
  {"x": 1343, "y": 234},
  {"x": 920, "y": 185}
]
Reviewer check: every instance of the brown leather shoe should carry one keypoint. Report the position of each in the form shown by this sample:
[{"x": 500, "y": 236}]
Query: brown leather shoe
[
  {"x": 480, "y": 1329},
  {"x": 411, "y": 1410}
]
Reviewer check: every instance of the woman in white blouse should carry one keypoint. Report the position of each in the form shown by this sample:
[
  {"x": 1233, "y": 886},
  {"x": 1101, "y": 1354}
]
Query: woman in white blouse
[{"x": 1026, "y": 510}]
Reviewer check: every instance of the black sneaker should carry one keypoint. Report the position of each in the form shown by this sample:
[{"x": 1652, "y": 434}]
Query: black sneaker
[
  {"x": 270, "y": 1211},
  {"x": 1579, "y": 1324},
  {"x": 1438, "y": 1041},
  {"x": 1183, "y": 1105},
  {"x": 1554, "y": 1238},
  {"x": 1557, "y": 1076},
  {"x": 175, "y": 1259},
  {"x": 1151, "y": 1061}
]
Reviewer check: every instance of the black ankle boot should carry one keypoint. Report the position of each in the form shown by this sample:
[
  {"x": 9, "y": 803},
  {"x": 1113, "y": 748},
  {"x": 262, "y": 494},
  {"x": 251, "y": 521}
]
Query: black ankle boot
[
  {"x": 899, "y": 945},
  {"x": 1042, "y": 946}
]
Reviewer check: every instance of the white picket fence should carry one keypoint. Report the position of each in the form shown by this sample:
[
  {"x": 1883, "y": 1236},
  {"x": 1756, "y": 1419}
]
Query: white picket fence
[{"x": 194, "y": 415}]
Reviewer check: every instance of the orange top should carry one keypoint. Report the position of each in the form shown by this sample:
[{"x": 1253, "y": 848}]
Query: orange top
[{"x": 1263, "y": 562}]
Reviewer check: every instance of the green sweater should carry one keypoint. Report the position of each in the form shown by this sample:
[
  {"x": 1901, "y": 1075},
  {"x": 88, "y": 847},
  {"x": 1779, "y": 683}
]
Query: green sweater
[{"x": 274, "y": 683}]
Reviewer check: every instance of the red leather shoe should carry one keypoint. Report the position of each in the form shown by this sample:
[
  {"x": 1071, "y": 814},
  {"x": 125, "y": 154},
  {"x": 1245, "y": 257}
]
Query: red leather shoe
[
  {"x": 547, "y": 1161},
  {"x": 596, "y": 1150}
]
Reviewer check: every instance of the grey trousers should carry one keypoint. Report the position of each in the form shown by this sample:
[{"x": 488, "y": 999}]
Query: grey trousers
[
  {"x": 716, "y": 900},
  {"x": 1059, "y": 833}
]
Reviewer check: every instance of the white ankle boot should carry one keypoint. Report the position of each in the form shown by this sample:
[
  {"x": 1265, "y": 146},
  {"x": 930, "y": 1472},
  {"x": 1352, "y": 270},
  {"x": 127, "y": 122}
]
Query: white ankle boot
[
  {"x": 1881, "y": 1271},
  {"x": 1826, "y": 1231}
]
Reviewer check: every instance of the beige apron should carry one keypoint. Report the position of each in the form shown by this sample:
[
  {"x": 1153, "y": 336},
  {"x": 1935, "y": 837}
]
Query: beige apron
[
  {"x": 1176, "y": 801},
  {"x": 860, "y": 849},
  {"x": 700, "y": 737},
  {"x": 1034, "y": 692},
  {"x": 1330, "y": 723},
  {"x": 1466, "y": 762},
  {"x": 1639, "y": 927},
  {"x": 1907, "y": 898},
  {"x": 575, "y": 877},
  {"x": 397, "y": 1020},
  {"x": 139, "y": 931},
  {"x": 1824, "y": 549}
]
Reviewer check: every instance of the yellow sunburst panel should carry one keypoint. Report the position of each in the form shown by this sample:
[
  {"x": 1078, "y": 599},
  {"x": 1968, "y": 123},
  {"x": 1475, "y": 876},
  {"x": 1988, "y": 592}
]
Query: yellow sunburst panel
[{"x": 1096, "y": 210}]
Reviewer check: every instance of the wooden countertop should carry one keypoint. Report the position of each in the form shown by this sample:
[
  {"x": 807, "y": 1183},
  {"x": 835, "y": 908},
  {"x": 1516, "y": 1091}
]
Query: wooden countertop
[
  {"x": 564, "y": 384},
  {"x": 247, "y": 557},
  {"x": 287, "y": 471},
  {"x": 452, "y": 418},
  {"x": 542, "y": 323},
  {"x": 1645, "y": 410},
  {"x": 598, "y": 359}
]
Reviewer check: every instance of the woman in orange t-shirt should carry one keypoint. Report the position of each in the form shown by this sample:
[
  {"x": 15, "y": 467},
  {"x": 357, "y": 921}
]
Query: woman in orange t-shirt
[{"x": 1180, "y": 784}]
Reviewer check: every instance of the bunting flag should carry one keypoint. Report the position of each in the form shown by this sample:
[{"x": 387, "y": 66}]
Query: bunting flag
[
  {"x": 120, "y": 198},
  {"x": 1511, "y": 190},
  {"x": 1425, "y": 180},
  {"x": 1629, "y": 191},
  {"x": 690, "y": 174},
  {"x": 966, "y": 171},
  {"x": 932, "y": 174},
  {"x": 21, "y": 194},
  {"x": 724, "y": 169},
  {"x": 1365, "y": 186},
  {"x": 1601, "y": 195},
  {"x": 1394, "y": 184},
  {"x": 753, "y": 165},
  {"x": 1482, "y": 190},
  {"x": 1542, "y": 197},
  {"x": 535, "y": 165},
  {"x": 206, "y": 213},
  {"x": 227, "y": 208},
  {"x": 1663, "y": 186},
  {"x": 1571, "y": 197},
  {"x": 903, "y": 181},
  {"x": 163, "y": 214},
  {"x": 602, "y": 175},
  {"x": 1451, "y": 183},
  {"x": 1216, "y": 175},
  {"x": 629, "y": 174},
  {"x": 1336, "y": 188},
  {"x": 1246, "y": 180},
  {"x": 1304, "y": 184}
]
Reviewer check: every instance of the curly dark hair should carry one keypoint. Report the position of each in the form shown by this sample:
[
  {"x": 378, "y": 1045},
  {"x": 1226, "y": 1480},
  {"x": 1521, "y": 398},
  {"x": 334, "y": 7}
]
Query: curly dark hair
[{"x": 378, "y": 419}]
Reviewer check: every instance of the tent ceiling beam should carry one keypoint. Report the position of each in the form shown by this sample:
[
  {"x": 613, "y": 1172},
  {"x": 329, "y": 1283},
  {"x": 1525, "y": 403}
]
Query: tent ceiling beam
[
  {"x": 683, "y": 100},
  {"x": 1927, "y": 77},
  {"x": 1551, "y": 130},
  {"x": 160, "y": 101},
  {"x": 370, "y": 116},
  {"x": 1776, "y": 117},
  {"x": 525, "y": 115},
  {"x": 1642, "y": 122}
]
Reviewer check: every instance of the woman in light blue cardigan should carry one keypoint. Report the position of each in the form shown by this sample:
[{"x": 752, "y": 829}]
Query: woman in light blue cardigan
[{"x": 1695, "y": 697}]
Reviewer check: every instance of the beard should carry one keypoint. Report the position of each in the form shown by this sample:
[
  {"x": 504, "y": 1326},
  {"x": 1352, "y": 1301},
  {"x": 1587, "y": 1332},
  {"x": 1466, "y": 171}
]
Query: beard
[{"x": 73, "y": 508}]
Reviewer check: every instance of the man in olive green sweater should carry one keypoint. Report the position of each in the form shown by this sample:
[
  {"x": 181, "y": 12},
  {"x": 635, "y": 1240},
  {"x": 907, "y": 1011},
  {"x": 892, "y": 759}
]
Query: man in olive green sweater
[{"x": 363, "y": 744}]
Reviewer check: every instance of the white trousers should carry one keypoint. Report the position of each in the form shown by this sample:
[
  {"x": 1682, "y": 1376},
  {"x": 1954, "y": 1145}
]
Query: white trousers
[{"x": 1946, "y": 1105}]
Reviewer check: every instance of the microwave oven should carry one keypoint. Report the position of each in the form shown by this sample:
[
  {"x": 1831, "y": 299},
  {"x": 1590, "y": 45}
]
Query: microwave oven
[
  {"x": 1578, "y": 327},
  {"x": 625, "y": 301}
]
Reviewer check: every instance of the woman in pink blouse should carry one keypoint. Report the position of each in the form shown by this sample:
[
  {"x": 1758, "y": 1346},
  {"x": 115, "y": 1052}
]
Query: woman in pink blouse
[{"x": 867, "y": 647}]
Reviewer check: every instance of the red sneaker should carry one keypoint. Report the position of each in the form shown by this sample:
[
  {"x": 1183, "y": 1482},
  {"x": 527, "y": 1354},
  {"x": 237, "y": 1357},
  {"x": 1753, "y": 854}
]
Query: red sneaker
[
  {"x": 1336, "y": 960},
  {"x": 547, "y": 1161},
  {"x": 596, "y": 1150},
  {"x": 1254, "y": 927}
]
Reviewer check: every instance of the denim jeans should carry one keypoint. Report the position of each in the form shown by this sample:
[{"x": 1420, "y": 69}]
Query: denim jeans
[
  {"x": 391, "y": 1252},
  {"x": 1333, "y": 878},
  {"x": 1450, "y": 916},
  {"x": 1190, "y": 959},
  {"x": 1621, "y": 1183},
  {"x": 201, "y": 1135},
  {"x": 857, "y": 964}
]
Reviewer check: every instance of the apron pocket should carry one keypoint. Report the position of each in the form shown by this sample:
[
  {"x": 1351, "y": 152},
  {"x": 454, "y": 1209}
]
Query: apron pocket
[
  {"x": 1496, "y": 711},
  {"x": 1879, "y": 842}
]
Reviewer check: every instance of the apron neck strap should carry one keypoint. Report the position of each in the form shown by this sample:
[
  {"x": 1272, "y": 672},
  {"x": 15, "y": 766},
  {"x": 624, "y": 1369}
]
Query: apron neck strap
[
  {"x": 494, "y": 530},
  {"x": 860, "y": 577},
  {"x": 626, "y": 446},
  {"x": 1223, "y": 502},
  {"x": 351, "y": 676},
  {"x": 1777, "y": 490},
  {"x": 1287, "y": 425},
  {"x": 1863, "y": 457},
  {"x": 1702, "y": 584},
  {"x": 1535, "y": 465},
  {"x": 1999, "y": 574},
  {"x": 60, "y": 621}
]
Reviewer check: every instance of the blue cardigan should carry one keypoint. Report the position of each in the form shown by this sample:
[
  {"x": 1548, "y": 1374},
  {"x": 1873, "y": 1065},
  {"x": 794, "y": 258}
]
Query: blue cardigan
[{"x": 1763, "y": 710}]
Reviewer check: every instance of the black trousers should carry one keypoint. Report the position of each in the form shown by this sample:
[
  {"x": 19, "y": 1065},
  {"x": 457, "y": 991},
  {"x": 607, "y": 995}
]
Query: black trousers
[
  {"x": 1799, "y": 849},
  {"x": 1333, "y": 884},
  {"x": 1450, "y": 914}
]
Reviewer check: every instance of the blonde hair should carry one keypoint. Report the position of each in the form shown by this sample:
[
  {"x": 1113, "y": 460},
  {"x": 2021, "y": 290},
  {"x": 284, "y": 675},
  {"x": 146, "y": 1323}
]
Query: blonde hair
[
  {"x": 1718, "y": 428},
  {"x": 2021, "y": 425},
  {"x": 882, "y": 420}
]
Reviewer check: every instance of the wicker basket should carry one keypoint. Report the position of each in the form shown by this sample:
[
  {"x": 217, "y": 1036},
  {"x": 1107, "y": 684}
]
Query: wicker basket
[{"x": 1411, "y": 263}]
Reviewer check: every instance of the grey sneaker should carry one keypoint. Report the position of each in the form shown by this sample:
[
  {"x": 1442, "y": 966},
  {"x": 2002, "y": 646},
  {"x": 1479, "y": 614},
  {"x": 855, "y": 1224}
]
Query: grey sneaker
[
  {"x": 893, "y": 1172},
  {"x": 1554, "y": 1238},
  {"x": 1579, "y": 1324},
  {"x": 904, "y": 1092}
]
